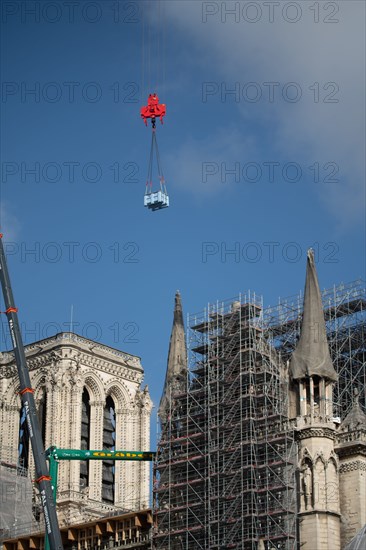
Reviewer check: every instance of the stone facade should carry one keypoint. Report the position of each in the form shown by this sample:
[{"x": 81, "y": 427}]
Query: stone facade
[
  {"x": 332, "y": 472},
  {"x": 73, "y": 378},
  {"x": 325, "y": 475},
  {"x": 351, "y": 450},
  {"x": 319, "y": 510},
  {"x": 332, "y": 479},
  {"x": 331, "y": 457}
]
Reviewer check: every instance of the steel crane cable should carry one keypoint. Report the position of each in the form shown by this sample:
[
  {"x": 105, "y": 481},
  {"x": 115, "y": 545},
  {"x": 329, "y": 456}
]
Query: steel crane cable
[
  {"x": 154, "y": 146},
  {"x": 153, "y": 45},
  {"x": 160, "y": 168},
  {"x": 150, "y": 167},
  {"x": 142, "y": 53}
]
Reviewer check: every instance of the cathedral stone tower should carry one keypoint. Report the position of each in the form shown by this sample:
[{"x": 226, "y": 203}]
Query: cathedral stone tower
[
  {"x": 351, "y": 450},
  {"x": 313, "y": 375},
  {"x": 88, "y": 397}
]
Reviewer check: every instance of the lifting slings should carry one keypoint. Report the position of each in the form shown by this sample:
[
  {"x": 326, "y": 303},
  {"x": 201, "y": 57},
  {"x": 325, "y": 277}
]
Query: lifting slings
[{"x": 154, "y": 200}]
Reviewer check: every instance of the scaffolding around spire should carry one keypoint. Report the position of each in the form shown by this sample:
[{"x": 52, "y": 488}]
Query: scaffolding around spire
[
  {"x": 226, "y": 466},
  {"x": 225, "y": 469}
]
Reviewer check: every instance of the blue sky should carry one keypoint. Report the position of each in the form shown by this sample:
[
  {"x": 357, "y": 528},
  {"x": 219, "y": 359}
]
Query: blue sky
[{"x": 262, "y": 149}]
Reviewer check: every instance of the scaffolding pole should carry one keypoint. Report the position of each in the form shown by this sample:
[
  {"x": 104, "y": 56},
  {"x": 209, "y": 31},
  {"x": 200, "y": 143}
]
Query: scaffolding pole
[{"x": 225, "y": 468}]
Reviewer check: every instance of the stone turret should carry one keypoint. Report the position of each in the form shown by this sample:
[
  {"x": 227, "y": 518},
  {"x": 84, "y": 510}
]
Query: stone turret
[
  {"x": 351, "y": 450},
  {"x": 313, "y": 375},
  {"x": 356, "y": 418},
  {"x": 176, "y": 373}
]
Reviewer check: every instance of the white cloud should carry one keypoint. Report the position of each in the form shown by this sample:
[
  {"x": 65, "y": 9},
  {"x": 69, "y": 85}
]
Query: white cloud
[{"x": 304, "y": 52}]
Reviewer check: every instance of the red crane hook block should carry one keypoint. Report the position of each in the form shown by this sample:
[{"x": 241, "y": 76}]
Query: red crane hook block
[{"x": 153, "y": 110}]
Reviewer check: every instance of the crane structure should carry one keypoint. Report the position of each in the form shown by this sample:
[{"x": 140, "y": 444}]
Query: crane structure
[
  {"x": 154, "y": 200},
  {"x": 47, "y": 477},
  {"x": 54, "y": 455},
  {"x": 43, "y": 478}
]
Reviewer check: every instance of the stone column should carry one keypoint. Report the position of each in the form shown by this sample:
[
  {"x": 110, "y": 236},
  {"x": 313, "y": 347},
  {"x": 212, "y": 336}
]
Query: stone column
[
  {"x": 311, "y": 397},
  {"x": 127, "y": 479},
  {"x": 302, "y": 397},
  {"x": 352, "y": 479},
  {"x": 322, "y": 399},
  {"x": 329, "y": 400},
  {"x": 55, "y": 414},
  {"x": 145, "y": 466},
  {"x": 96, "y": 442}
]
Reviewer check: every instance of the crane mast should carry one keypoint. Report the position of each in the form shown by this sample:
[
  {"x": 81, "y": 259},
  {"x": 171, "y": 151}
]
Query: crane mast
[{"x": 26, "y": 393}]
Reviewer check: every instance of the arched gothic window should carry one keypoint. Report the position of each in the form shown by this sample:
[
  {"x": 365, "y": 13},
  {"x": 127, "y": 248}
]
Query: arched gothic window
[
  {"x": 85, "y": 437},
  {"x": 109, "y": 441},
  {"x": 24, "y": 446},
  {"x": 23, "y": 449},
  {"x": 42, "y": 415}
]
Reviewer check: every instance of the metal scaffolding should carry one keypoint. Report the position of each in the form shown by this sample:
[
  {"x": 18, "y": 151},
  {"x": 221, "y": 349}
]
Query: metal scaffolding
[
  {"x": 225, "y": 473},
  {"x": 345, "y": 314}
]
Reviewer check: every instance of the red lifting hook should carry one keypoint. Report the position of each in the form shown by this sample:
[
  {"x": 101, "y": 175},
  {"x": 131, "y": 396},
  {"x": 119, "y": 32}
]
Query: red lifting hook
[{"x": 153, "y": 110}]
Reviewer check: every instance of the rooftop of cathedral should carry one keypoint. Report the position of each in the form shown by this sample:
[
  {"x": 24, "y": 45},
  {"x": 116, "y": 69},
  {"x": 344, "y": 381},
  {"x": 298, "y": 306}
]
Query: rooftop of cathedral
[
  {"x": 126, "y": 530},
  {"x": 73, "y": 340}
]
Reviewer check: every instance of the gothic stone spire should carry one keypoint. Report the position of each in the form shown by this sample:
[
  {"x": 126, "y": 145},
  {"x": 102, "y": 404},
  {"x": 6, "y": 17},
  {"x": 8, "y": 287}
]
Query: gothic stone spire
[
  {"x": 311, "y": 356},
  {"x": 176, "y": 373}
]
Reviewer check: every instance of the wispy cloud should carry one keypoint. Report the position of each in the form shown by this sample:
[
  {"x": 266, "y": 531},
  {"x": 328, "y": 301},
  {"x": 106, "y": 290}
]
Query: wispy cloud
[
  {"x": 304, "y": 52},
  {"x": 196, "y": 162}
]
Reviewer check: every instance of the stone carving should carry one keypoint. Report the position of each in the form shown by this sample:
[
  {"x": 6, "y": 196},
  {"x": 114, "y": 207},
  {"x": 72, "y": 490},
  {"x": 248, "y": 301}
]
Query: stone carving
[
  {"x": 352, "y": 466},
  {"x": 307, "y": 485}
]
